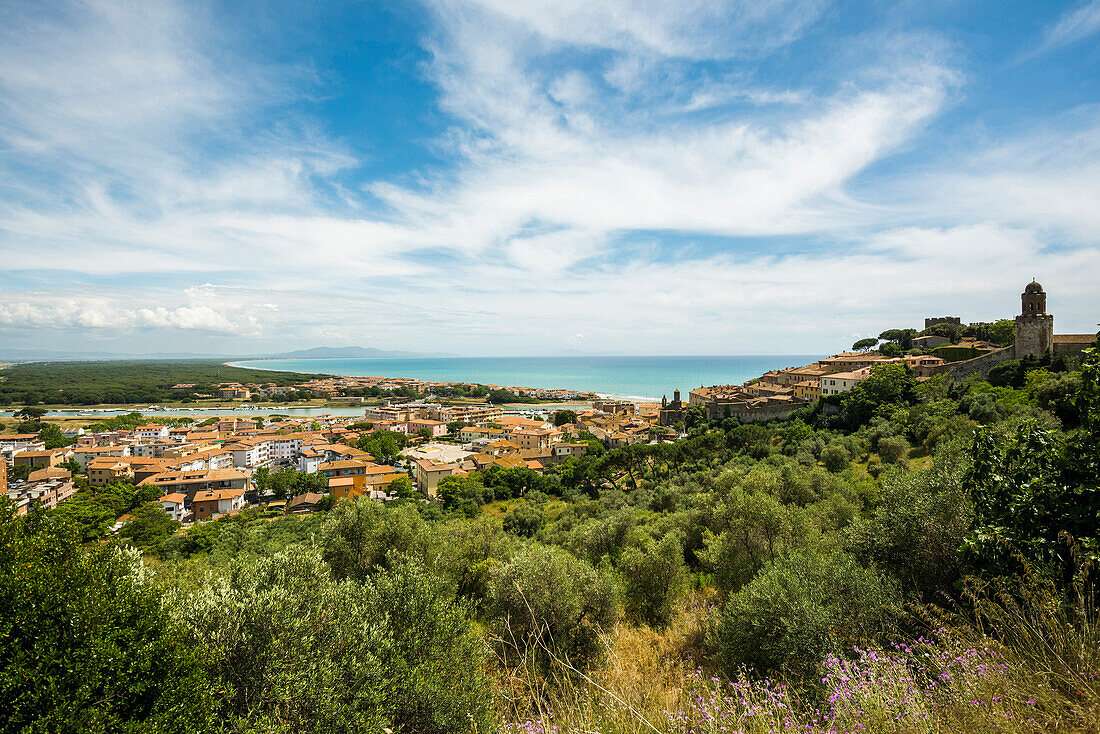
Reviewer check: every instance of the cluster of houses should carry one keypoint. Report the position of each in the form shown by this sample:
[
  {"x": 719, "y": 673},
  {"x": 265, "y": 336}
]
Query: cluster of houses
[
  {"x": 237, "y": 391},
  {"x": 206, "y": 471},
  {"x": 201, "y": 472},
  {"x": 776, "y": 393},
  {"x": 512, "y": 441}
]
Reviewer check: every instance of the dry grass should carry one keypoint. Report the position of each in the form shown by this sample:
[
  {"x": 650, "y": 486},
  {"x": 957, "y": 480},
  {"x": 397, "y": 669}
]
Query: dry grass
[
  {"x": 1024, "y": 659},
  {"x": 643, "y": 674}
]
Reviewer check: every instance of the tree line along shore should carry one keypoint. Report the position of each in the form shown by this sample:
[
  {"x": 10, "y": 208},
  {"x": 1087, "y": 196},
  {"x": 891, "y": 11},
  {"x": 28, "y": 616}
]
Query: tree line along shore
[{"x": 209, "y": 383}]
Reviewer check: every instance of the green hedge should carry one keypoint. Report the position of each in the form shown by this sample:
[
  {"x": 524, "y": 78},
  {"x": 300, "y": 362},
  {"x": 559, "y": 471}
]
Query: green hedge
[{"x": 956, "y": 354}]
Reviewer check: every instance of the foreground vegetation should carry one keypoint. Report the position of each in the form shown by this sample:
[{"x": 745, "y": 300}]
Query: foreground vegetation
[{"x": 907, "y": 557}]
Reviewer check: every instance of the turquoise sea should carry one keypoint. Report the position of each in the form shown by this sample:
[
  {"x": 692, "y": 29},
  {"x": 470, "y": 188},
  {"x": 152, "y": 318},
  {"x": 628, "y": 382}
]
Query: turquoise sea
[{"x": 633, "y": 377}]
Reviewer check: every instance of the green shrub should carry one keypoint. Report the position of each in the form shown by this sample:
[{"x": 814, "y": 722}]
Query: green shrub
[
  {"x": 525, "y": 519},
  {"x": 363, "y": 536},
  {"x": 893, "y": 450},
  {"x": 874, "y": 467},
  {"x": 602, "y": 538},
  {"x": 981, "y": 407},
  {"x": 433, "y": 659},
  {"x": 548, "y": 604},
  {"x": 296, "y": 650},
  {"x": 149, "y": 526},
  {"x": 917, "y": 528},
  {"x": 85, "y": 644},
  {"x": 756, "y": 530},
  {"x": 654, "y": 578},
  {"x": 835, "y": 457},
  {"x": 1058, "y": 394},
  {"x": 293, "y": 649},
  {"x": 797, "y": 611},
  {"x": 473, "y": 549}
]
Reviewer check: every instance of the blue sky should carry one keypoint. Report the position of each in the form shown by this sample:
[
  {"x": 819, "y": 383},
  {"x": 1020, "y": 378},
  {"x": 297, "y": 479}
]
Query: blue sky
[{"x": 522, "y": 177}]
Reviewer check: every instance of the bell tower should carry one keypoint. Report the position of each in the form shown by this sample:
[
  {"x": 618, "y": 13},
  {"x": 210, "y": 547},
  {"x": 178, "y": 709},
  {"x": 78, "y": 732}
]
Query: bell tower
[
  {"x": 1033, "y": 299},
  {"x": 1034, "y": 326}
]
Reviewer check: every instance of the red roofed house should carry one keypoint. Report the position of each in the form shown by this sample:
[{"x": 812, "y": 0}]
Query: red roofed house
[
  {"x": 211, "y": 503},
  {"x": 175, "y": 505}
]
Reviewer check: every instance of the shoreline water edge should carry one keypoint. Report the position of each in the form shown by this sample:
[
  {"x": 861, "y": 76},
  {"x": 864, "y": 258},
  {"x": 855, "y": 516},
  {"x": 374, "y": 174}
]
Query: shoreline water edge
[{"x": 641, "y": 378}]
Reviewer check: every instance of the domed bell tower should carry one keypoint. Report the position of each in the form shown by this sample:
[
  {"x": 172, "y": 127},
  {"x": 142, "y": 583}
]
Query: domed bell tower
[
  {"x": 1034, "y": 326},
  {"x": 1033, "y": 299}
]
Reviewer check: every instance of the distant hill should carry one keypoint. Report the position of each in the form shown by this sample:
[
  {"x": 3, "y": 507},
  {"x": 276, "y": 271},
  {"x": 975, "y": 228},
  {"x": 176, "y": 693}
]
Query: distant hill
[
  {"x": 356, "y": 353},
  {"x": 47, "y": 355}
]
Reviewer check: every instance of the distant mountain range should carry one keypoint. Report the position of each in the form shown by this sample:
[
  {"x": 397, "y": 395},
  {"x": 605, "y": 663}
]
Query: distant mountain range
[
  {"x": 46, "y": 355},
  {"x": 356, "y": 353}
]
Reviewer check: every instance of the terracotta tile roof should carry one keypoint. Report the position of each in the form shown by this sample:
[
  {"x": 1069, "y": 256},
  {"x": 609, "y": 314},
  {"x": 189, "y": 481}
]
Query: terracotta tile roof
[
  {"x": 347, "y": 464},
  {"x": 196, "y": 477},
  {"x": 50, "y": 472},
  {"x": 217, "y": 494},
  {"x": 39, "y": 454},
  {"x": 309, "y": 498}
]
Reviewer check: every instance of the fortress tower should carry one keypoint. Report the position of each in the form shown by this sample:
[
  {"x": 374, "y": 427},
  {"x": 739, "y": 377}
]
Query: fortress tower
[{"x": 1034, "y": 326}]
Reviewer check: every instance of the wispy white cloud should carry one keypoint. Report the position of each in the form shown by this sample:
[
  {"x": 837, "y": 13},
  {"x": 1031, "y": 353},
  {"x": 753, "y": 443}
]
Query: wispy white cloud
[
  {"x": 1077, "y": 24},
  {"x": 546, "y": 148},
  {"x": 690, "y": 29},
  {"x": 599, "y": 153},
  {"x": 1047, "y": 177}
]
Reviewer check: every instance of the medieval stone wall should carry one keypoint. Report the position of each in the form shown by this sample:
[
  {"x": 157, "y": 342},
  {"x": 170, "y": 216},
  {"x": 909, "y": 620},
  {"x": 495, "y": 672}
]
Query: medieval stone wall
[
  {"x": 747, "y": 414},
  {"x": 959, "y": 371}
]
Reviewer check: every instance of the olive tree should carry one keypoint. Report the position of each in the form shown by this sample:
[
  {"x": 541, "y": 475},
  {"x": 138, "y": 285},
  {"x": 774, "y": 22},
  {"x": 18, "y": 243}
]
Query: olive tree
[
  {"x": 546, "y": 604},
  {"x": 654, "y": 577},
  {"x": 85, "y": 642},
  {"x": 295, "y": 649},
  {"x": 799, "y": 610}
]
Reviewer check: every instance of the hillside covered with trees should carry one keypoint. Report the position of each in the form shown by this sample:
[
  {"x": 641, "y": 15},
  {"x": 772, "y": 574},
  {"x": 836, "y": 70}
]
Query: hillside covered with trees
[
  {"x": 119, "y": 382},
  {"x": 910, "y": 556}
]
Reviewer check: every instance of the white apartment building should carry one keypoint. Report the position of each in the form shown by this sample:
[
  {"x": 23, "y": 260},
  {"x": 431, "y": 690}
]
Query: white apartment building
[
  {"x": 150, "y": 432},
  {"x": 174, "y": 505},
  {"x": 266, "y": 450},
  {"x": 18, "y": 443},
  {"x": 840, "y": 382}
]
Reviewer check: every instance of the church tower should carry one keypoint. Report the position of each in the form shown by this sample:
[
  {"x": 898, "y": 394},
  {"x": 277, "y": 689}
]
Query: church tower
[{"x": 1034, "y": 326}]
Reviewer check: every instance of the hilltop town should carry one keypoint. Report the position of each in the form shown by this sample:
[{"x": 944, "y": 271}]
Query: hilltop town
[{"x": 945, "y": 347}]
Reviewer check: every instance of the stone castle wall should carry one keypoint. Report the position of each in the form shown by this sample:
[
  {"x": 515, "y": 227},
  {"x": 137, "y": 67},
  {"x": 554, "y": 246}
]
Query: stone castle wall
[
  {"x": 1070, "y": 349},
  {"x": 747, "y": 414},
  {"x": 981, "y": 365}
]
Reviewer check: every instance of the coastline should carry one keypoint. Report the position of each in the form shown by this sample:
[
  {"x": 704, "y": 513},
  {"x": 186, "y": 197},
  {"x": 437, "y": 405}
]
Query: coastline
[{"x": 638, "y": 378}]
